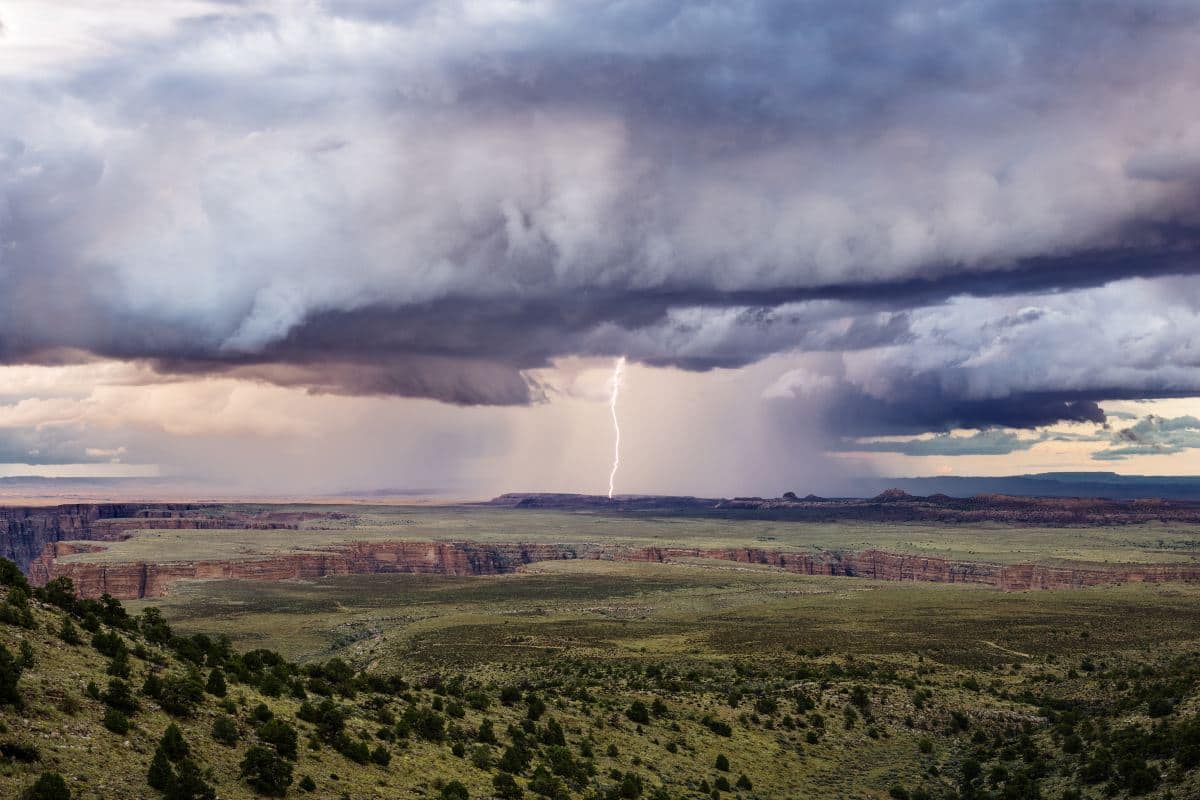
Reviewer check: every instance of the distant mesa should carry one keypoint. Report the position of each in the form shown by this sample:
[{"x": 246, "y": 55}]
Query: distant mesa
[{"x": 892, "y": 496}]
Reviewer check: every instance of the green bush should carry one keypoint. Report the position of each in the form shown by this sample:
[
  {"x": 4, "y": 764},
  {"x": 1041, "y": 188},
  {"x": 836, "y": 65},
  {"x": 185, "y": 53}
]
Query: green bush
[
  {"x": 179, "y": 695},
  {"x": 48, "y": 786},
  {"x": 69, "y": 633},
  {"x": 216, "y": 683},
  {"x": 173, "y": 743},
  {"x": 225, "y": 730},
  {"x": 506, "y": 787},
  {"x": 637, "y": 712},
  {"x": 266, "y": 772},
  {"x": 10, "y": 673},
  {"x": 116, "y": 722},
  {"x": 281, "y": 736}
]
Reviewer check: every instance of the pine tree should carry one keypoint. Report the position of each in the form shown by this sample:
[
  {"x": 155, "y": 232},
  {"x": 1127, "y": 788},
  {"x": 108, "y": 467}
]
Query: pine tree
[
  {"x": 69, "y": 633},
  {"x": 216, "y": 683},
  {"x": 50, "y": 786},
  {"x": 190, "y": 784},
  {"x": 161, "y": 776},
  {"x": 173, "y": 744},
  {"x": 10, "y": 673}
]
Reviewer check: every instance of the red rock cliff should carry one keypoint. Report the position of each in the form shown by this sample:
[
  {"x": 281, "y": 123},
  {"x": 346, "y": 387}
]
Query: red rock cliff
[{"x": 141, "y": 579}]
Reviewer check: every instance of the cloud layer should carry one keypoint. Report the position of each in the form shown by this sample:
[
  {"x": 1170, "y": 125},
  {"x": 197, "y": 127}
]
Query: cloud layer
[{"x": 980, "y": 209}]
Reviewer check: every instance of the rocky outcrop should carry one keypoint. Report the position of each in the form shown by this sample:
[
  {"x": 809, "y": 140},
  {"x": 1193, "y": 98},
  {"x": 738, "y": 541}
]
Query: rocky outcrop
[
  {"x": 886, "y": 566},
  {"x": 142, "y": 579},
  {"x": 26, "y": 531}
]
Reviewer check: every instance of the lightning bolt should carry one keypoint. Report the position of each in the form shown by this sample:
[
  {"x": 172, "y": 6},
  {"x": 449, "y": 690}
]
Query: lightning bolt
[{"x": 618, "y": 374}]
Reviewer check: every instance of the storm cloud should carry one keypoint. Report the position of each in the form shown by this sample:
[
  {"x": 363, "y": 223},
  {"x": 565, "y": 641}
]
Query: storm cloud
[{"x": 987, "y": 212}]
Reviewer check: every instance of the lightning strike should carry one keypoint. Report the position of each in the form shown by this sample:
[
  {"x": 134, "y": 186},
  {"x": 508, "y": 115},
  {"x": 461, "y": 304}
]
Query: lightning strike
[{"x": 618, "y": 374}]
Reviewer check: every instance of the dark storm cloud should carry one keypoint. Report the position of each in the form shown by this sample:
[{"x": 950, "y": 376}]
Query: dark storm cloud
[
  {"x": 935, "y": 410},
  {"x": 980, "y": 443},
  {"x": 432, "y": 199}
]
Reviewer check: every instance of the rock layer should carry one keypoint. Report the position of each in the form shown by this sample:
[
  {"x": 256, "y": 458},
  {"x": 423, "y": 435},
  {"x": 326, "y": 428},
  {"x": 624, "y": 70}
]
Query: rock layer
[{"x": 142, "y": 579}]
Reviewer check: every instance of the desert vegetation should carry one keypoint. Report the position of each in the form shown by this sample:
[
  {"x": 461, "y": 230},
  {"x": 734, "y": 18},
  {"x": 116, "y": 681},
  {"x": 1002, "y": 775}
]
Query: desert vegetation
[{"x": 600, "y": 681}]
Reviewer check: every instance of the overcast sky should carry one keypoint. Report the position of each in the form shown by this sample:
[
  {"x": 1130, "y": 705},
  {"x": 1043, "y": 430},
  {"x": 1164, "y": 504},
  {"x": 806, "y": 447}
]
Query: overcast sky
[{"x": 313, "y": 246}]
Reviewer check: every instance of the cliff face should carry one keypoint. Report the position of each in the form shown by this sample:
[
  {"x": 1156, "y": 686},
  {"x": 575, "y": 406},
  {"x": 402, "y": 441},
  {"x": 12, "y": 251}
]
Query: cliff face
[
  {"x": 885, "y": 566},
  {"x": 25, "y": 532},
  {"x": 141, "y": 579}
]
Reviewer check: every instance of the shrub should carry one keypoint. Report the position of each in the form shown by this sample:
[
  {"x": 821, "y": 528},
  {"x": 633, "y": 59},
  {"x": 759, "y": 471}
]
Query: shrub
[
  {"x": 10, "y": 673},
  {"x": 307, "y": 784},
  {"x": 116, "y": 722},
  {"x": 225, "y": 730},
  {"x": 161, "y": 775},
  {"x": 11, "y": 575},
  {"x": 69, "y": 633},
  {"x": 266, "y": 772},
  {"x": 535, "y": 707},
  {"x": 173, "y": 744},
  {"x": 216, "y": 684},
  {"x": 48, "y": 786},
  {"x": 637, "y": 712},
  {"x": 179, "y": 695},
  {"x": 545, "y": 784},
  {"x": 60, "y": 592},
  {"x": 631, "y": 786},
  {"x": 454, "y": 790},
  {"x": 190, "y": 783},
  {"x": 262, "y": 713},
  {"x": 118, "y": 695},
  {"x": 281, "y": 736},
  {"x": 722, "y": 763},
  {"x": 506, "y": 787},
  {"x": 108, "y": 644}
]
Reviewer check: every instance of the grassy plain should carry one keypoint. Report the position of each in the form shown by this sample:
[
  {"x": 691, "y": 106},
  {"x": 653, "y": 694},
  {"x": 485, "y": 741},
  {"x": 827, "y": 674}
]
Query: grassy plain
[
  {"x": 1005, "y": 544},
  {"x": 976, "y": 650}
]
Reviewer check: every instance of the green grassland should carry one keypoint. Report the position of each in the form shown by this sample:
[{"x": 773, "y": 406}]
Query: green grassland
[
  {"x": 977, "y": 650},
  {"x": 1143, "y": 543}
]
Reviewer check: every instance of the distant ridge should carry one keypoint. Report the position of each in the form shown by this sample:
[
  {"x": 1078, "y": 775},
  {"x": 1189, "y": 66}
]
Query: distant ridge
[
  {"x": 890, "y": 505},
  {"x": 1108, "y": 485}
]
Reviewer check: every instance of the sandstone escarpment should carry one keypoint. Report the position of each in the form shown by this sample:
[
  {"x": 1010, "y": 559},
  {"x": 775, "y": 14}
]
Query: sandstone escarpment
[
  {"x": 142, "y": 579},
  {"x": 26, "y": 531}
]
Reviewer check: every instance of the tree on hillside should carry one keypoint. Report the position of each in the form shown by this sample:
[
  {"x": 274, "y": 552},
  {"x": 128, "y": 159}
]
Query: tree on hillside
[
  {"x": 266, "y": 772},
  {"x": 50, "y": 786},
  {"x": 10, "y": 673},
  {"x": 173, "y": 744}
]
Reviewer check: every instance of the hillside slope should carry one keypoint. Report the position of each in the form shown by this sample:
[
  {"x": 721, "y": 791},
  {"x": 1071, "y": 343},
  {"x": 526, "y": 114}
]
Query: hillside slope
[{"x": 97, "y": 704}]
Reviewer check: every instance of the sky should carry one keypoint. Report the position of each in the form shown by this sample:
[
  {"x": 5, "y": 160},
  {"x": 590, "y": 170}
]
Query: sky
[{"x": 367, "y": 244}]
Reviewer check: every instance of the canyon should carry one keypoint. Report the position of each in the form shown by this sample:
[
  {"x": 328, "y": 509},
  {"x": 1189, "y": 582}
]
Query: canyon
[
  {"x": 42, "y": 541},
  {"x": 137, "y": 580}
]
